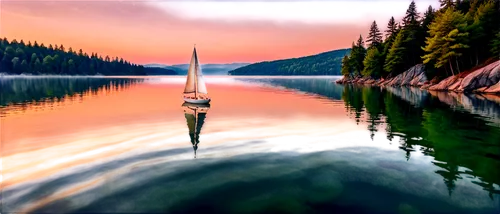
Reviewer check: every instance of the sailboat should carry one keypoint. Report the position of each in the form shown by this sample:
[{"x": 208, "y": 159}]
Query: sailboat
[
  {"x": 195, "y": 117},
  {"x": 195, "y": 90}
]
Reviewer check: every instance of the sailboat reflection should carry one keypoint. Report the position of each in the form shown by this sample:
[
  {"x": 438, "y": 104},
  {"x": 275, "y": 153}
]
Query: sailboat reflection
[{"x": 195, "y": 116}]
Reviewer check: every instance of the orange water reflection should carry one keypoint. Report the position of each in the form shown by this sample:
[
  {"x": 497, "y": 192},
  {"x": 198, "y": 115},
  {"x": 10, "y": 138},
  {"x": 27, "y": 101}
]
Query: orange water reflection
[{"x": 38, "y": 143}]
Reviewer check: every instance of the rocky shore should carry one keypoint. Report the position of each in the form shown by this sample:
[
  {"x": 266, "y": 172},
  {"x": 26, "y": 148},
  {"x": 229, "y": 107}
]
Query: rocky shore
[{"x": 483, "y": 80}]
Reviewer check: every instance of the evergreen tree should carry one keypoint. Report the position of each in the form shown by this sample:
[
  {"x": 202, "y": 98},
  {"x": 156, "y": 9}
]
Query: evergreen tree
[
  {"x": 346, "y": 69},
  {"x": 413, "y": 37},
  {"x": 429, "y": 16},
  {"x": 374, "y": 36},
  {"x": 19, "y": 57},
  {"x": 373, "y": 65},
  {"x": 411, "y": 16},
  {"x": 358, "y": 54},
  {"x": 495, "y": 46},
  {"x": 447, "y": 40},
  {"x": 392, "y": 27},
  {"x": 445, "y": 4},
  {"x": 391, "y": 33},
  {"x": 487, "y": 24},
  {"x": 394, "y": 61}
]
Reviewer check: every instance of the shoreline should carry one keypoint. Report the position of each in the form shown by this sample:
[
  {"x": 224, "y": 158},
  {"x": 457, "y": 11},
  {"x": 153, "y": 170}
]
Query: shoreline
[
  {"x": 2, "y": 75},
  {"x": 424, "y": 87},
  {"x": 485, "y": 80}
]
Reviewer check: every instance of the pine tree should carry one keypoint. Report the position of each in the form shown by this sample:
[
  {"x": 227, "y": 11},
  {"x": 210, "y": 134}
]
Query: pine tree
[
  {"x": 445, "y": 4},
  {"x": 411, "y": 16},
  {"x": 358, "y": 54},
  {"x": 483, "y": 23},
  {"x": 429, "y": 16},
  {"x": 373, "y": 65},
  {"x": 374, "y": 36},
  {"x": 495, "y": 46},
  {"x": 447, "y": 39},
  {"x": 395, "y": 58},
  {"x": 391, "y": 33},
  {"x": 391, "y": 28},
  {"x": 346, "y": 69}
]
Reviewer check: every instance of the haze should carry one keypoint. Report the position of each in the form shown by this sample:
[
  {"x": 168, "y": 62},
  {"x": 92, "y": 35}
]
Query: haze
[{"x": 224, "y": 31}]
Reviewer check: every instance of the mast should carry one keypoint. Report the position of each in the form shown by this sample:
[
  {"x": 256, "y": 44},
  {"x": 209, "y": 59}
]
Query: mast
[{"x": 195, "y": 73}]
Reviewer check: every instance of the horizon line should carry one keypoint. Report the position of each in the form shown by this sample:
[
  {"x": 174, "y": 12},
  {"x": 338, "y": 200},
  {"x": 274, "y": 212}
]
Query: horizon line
[{"x": 167, "y": 64}]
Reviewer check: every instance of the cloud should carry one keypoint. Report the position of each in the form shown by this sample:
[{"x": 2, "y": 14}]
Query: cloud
[{"x": 311, "y": 12}]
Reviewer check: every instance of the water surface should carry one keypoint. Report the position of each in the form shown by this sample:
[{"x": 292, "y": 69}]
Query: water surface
[{"x": 264, "y": 145}]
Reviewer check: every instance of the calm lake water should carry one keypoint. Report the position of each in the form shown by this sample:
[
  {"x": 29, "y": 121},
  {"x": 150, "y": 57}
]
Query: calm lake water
[{"x": 264, "y": 145}]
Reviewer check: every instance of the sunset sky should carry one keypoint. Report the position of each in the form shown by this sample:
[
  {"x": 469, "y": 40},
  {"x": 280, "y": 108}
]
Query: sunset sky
[{"x": 223, "y": 31}]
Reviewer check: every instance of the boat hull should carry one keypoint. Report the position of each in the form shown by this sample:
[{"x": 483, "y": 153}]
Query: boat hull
[{"x": 197, "y": 101}]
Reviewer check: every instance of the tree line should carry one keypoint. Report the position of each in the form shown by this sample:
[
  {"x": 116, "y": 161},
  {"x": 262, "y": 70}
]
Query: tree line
[
  {"x": 328, "y": 63},
  {"x": 33, "y": 58},
  {"x": 459, "y": 36}
]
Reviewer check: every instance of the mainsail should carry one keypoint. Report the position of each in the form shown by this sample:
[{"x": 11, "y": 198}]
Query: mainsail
[
  {"x": 195, "y": 82},
  {"x": 202, "y": 88}
]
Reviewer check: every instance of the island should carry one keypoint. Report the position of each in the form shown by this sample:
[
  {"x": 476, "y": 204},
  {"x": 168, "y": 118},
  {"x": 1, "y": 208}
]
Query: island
[
  {"x": 20, "y": 58},
  {"x": 454, "y": 48}
]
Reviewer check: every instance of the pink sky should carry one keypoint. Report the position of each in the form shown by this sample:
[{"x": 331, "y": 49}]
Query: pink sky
[{"x": 224, "y": 32}]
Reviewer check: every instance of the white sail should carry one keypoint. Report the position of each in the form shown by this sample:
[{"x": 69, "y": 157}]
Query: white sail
[
  {"x": 200, "y": 82},
  {"x": 195, "y": 83},
  {"x": 191, "y": 75}
]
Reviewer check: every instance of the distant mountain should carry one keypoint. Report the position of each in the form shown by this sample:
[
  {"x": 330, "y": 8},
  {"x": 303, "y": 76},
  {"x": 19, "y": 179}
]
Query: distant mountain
[
  {"x": 207, "y": 69},
  {"x": 154, "y": 65},
  {"x": 153, "y": 70},
  {"x": 327, "y": 63}
]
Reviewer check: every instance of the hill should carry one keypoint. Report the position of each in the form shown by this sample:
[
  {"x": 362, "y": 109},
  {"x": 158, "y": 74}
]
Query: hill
[
  {"x": 159, "y": 71},
  {"x": 207, "y": 69},
  {"x": 18, "y": 57},
  {"x": 327, "y": 63}
]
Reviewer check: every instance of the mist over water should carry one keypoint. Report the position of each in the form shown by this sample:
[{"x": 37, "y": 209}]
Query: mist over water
[{"x": 265, "y": 145}]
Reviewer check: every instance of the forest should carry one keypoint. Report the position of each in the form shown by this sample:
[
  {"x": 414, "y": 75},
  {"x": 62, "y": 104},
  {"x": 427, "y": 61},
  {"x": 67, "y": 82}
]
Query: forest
[
  {"x": 37, "y": 59},
  {"x": 328, "y": 63},
  {"x": 460, "y": 36}
]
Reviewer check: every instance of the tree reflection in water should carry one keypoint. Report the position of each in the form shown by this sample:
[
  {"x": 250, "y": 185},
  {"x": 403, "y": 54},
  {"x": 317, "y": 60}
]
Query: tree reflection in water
[{"x": 462, "y": 143}]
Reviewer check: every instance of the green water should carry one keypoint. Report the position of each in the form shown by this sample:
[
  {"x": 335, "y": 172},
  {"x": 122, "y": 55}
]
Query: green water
[{"x": 408, "y": 151}]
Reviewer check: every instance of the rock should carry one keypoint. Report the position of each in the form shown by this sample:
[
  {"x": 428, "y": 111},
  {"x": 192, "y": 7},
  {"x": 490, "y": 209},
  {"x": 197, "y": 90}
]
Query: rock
[
  {"x": 484, "y": 77},
  {"x": 340, "y": 81},
  {"x": 357, "y": 80},
  {"x": 379, "y": 81},
  {"x": 493, "y": 89},
  {"x": 447, "y": 84},
  {"x": 415, "y": 76},
  {"x": 370, "y": 81},
  {"x": 425, "y": 86},
  {"x": 480, "y": 90}
]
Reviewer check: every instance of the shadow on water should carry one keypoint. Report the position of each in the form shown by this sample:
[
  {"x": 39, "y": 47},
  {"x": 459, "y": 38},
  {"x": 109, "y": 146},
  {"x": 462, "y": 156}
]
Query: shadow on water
[
  {"x": 463, "y": 139},
  {"x": 317, "y": 86},
  {"x": 32, "y": 91},
  {"x": 461, "y": 131},
  {"x": 195, "y": 117}
]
